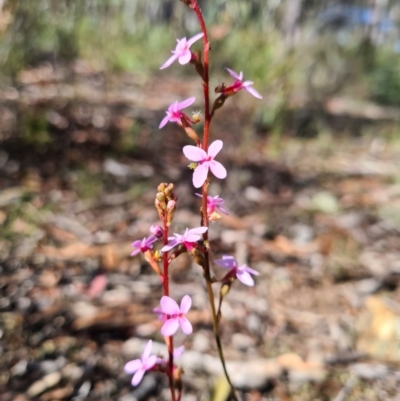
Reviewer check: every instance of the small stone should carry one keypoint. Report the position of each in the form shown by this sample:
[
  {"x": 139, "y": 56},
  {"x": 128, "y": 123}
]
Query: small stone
[
  {"x": 43, "y": 384},
  {"x": 242, "y": 342},
  {"x": 19, "y": 368},
  {"x": 254, "y": 374},
  {"x": 370, "y": 371},
  {"x": 201, "y": 342}
]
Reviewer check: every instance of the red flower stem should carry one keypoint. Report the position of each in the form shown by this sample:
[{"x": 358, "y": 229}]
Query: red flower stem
[
  {"x": 204, "y": 213},
  {"x": 169, "y": 340},
  {"x": 165, "y": 260},
  {"x": 206, "y": 83}
]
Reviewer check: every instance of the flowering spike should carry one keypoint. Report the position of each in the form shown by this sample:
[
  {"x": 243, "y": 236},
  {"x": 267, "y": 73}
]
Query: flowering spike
[{"x": 205, "y": 162}]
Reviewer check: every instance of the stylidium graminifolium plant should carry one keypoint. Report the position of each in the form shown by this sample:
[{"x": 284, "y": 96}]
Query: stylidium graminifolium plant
[{"x": 195, "y": 240}]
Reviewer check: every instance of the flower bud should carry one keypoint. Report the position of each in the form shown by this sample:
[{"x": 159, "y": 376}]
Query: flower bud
[
  {"x": 161, "y": 198},
  {"x": 156, "y": 230},
  {"x": 161, "y": 187},
  {"x": 225, "y": 287},
  {"x": 168, "y": 191},
  {"x": 171, "y": 206},
  {"x": 190, "y": 132},
  {"x": 198, "y": 257},
  {"x": 160, "y": 209}
]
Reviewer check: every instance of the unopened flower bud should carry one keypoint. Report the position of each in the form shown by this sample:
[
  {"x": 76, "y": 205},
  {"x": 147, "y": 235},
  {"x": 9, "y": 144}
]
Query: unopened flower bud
[
  {"x": 160, "y": 209},
  {"x": 161, "y": 187},
  {"x": 161, "y": 198},
  {"x": 225, "y": 287},
  {"x": 168, "y": 190},
  {"x": 190, "y": 132},
  {"x": 156, "y": 230},
  {"x": 171, "y": 206},
  {"x": 198, "y": 257}
]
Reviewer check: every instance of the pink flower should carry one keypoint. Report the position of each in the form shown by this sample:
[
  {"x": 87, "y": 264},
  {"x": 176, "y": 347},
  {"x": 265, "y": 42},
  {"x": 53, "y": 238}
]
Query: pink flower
[
  {"x": 214, "y": 204},
  {"x": 182, "y": 52},
  {"x": 239, "y": 84},
  {"x": 138, "y": 367},
  {"x": 205, "y": 161},
  {"x": 174, "y": 316},
  {"x": 144, "y": 245},
  {"x": 174, "y": 114},
  {"x": 188, "y": 239},
  {"x": 243, "y": 273}
]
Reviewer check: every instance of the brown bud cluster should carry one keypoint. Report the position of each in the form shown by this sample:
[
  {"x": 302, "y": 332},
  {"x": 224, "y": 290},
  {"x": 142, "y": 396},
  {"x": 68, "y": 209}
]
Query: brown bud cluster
[{"x": 165, "y": 202}]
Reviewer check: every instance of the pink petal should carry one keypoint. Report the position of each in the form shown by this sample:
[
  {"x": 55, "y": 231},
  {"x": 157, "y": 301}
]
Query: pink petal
[
  {"x": 135, "y": 252},
  {"x": 186, "y": 304},
  {"x": 151, "y": 361},
  {"x": 185, "y": 57},
  {"x": 253, "y": 92},
  {"x": 192, "y": 238},
  {"x": 151, "y": 240},
  {"x": 234, "y": 74},
  {"x": 169, "y": 61},
  {"x": 214, "y": 148},
  {"x": 245, "y": 278},
  {"x": 137, "y": 377},
  {"x": 163, "y": 122},
  {"x": 168, "y": 305},
  {"x": 200, "y": 175},
  {"x": 185, "y": 103},
  {"x": 186, "y": 326},
  {"x": 137, "y": 243},
  {"x": 147, "y": 350},
  {"x": 179, "y": 351},
  {"x": 170, "y": 245},
  {"x": 170, "y": 327},
  {"x": 195, "y": 38},
  {"x": 248, "y": 269},
  {"x": 218, "y": 169},
  {"x": 247, "y": 83},
  {"x": 198, "y": 230},
  {"x": 228, "y": 262},
  {"x": 222, "y": 209},
  {"x": 194, "y": 153},
  {"x": 132, "y": 366}
]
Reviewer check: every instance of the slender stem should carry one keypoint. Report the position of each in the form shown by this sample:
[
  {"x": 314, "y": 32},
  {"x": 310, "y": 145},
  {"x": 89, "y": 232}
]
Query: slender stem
[
  {"x": 204, "y": 213},
  {"x": 165, "y": 261},
  {"x": 206, "y": 83},
  {"x": 169, "y": 340}
]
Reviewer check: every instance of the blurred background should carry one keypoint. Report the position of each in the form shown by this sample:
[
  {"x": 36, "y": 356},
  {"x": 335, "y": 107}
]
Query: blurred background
[{"x": 312, "y": 190}]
